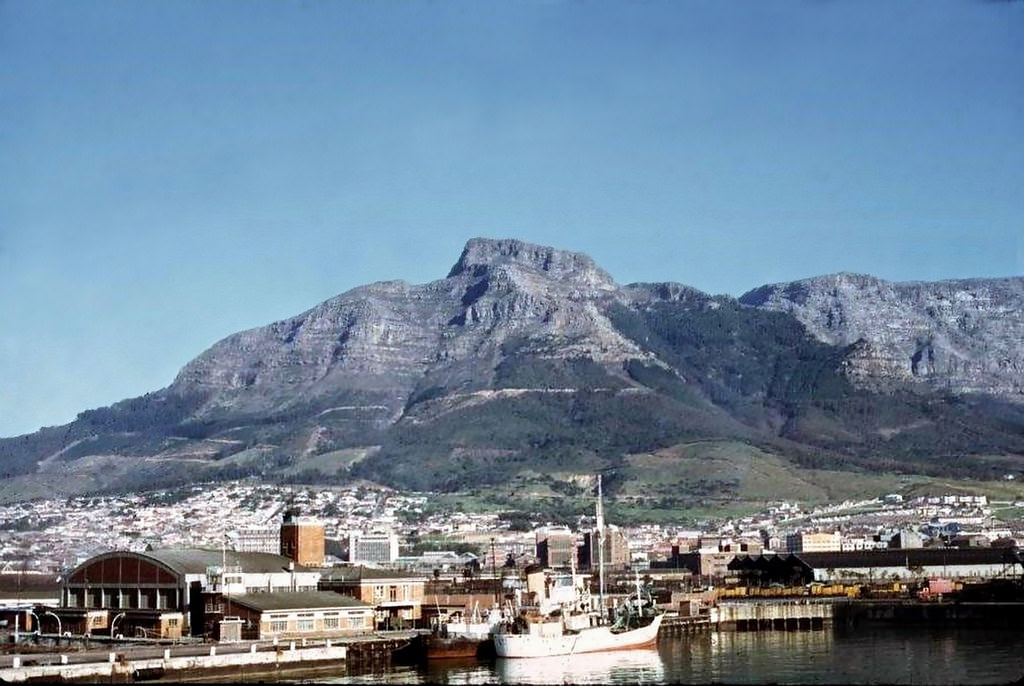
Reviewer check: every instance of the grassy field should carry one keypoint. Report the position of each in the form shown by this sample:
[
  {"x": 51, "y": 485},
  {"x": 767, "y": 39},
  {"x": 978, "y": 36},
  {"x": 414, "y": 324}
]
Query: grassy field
[{"x": 705, "y": 480}]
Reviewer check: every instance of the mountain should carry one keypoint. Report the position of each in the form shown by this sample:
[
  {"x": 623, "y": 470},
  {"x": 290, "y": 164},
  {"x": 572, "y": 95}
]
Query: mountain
[
  {"x": 965, "y": 336},
  {"x": 527, "y": 359}
]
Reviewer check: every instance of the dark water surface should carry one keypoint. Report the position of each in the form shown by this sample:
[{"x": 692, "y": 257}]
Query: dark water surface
[{"x": 875, "y": 655}]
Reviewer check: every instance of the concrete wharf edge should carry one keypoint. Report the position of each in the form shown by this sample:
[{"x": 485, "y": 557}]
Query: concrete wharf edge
[{"x": 260, "y": 658}]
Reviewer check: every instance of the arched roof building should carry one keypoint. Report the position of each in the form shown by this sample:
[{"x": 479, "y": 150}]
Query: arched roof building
[{"x": 158, "y": 590}]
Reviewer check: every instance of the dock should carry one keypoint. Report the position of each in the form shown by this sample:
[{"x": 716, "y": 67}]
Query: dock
[
  {"x": 683, "y": 626},
  {"x": 777, "y": 615},
  {"x": 230, "y": 661}
]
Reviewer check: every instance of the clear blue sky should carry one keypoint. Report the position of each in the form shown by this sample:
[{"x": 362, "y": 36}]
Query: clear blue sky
[{"x": 173, "y": 172}]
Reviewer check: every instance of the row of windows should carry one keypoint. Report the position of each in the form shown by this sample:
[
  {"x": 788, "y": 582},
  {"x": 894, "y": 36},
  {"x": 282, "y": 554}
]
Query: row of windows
[
  {"x": 394, "y": 593},
  {"x": 127, "y": 599},
  {"x": 307, "y": 624}
]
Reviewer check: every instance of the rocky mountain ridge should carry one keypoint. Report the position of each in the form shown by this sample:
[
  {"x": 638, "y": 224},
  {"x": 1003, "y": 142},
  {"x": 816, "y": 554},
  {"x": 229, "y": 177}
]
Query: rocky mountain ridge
[
  {"x": 526, "y": 358},
  {"x": 962, "y": 336}
]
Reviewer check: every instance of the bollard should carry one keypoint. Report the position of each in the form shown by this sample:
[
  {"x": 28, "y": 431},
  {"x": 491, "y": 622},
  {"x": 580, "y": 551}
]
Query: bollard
[
  {"x": 275, "y": 640},
  {"x": 16, "y": 662},
  {"x": 327, "y": 643},
  {"x": 252, "y": 648},
  {"x": 213, "y": 651},
  {"x": 167, "y": 653},
  {"x": 291, "y": 646},
  {"x": 113, "y": 658},
  {"x": 63, "y": 659}
]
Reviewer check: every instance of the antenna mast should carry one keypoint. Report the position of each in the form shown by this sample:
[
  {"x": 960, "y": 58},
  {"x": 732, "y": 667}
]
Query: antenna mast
[{"x": 600, "y": 543}]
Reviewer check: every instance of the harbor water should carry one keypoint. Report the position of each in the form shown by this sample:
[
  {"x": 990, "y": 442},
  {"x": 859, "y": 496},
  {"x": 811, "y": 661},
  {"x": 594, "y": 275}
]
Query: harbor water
[{"x": 875, "y": 655}]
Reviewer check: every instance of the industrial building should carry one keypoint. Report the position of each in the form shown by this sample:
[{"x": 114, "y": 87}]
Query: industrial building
[
  {"x": 167, "y": 593},
  {"x": 556, "y": 546},
  {"x": 877, "y": 565},
  {"x": 298, "y": 615},
  {"x": 396, "y": 595},
  {"x": 616, "y": 550}
]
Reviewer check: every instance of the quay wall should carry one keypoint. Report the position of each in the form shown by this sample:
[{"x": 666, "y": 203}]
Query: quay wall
[
  {"x": 807, "y": 614},
  {"x": 795, "y": 615},
  {"x": 119, "y": 669},
  {"x": 991, "y": 614}
]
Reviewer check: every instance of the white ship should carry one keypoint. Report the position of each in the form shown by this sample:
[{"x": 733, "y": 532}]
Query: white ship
[
  {"x": 556, "y": 636},
  {"x": 567, "y": 621}
]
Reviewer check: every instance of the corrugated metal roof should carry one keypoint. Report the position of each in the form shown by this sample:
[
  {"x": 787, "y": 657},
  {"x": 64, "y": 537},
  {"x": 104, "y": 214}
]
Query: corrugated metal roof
[
  {"x": 304, "y": 600},
  {"x": 894, "y": 557},
  {"x": 29, "y": 585},
  {"x": 196, "y": 560}
]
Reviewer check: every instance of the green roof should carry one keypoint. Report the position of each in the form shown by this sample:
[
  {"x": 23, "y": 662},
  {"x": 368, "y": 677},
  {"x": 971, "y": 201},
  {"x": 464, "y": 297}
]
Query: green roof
[{"x": 303, "y": 600}]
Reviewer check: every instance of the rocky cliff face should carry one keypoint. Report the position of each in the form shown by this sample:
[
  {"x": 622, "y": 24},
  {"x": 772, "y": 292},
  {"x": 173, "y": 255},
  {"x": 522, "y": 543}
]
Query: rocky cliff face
[
  {"x": 529, "y": 359},
  {"x": 964, "y": 336},
  {"x": 388, "y": 339}
]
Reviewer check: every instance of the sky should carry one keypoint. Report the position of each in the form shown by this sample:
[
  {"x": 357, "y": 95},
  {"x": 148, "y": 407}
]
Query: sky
[{"x": 174, "y": 172}]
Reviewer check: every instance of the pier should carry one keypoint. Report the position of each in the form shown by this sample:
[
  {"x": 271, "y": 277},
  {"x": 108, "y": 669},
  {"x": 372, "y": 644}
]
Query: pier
[
  {"x": 779, "y": 615},
  {"x": 683, "y": 626},
  {"x": 1003, "y": 615},
  {"x": 231, "y": 661}
]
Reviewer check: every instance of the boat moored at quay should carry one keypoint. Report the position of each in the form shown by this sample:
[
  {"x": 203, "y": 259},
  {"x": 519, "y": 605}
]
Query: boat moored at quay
[
  {"x": 566, "y": 619},
  {"x": 576, "y": 630}
]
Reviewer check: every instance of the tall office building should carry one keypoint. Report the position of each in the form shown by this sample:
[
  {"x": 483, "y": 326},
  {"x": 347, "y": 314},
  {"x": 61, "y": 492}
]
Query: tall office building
[
  {"x": 372, "y": 546},
  {"x": 556, "y": 546}
]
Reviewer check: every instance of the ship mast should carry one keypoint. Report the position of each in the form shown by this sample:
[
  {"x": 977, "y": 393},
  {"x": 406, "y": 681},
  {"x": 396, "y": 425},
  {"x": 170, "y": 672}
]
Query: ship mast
[{"x": 600, "y": 544}]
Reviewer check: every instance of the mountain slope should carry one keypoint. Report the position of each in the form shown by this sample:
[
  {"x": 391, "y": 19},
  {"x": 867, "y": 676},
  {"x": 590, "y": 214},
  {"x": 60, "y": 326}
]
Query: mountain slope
[{"x": 526, "y": 358}]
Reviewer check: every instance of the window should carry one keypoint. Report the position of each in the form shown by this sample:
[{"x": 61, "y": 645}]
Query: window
[
  {"x": 378, "y": 593},
  {"x": 332, "y": 623},
  {"x": 172, "y": 622},
  {"x": 278, "y": 626},
  {"x": 392, "y": 593},
  {"x": 305, "y": 624}
]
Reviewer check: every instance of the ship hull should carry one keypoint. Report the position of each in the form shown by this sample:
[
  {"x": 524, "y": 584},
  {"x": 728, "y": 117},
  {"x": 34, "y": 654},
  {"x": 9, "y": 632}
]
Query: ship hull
[
  {"x": 460, "y": 647},
  {"x": 590, "y": 640}
]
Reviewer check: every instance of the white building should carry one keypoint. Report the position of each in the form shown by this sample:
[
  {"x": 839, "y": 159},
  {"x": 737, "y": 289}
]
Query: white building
[{"x": 373, "y": 547}]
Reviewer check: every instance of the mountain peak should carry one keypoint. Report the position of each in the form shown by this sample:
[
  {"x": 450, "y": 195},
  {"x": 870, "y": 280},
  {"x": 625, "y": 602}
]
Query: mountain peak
[{"x": 489, "y": 252}]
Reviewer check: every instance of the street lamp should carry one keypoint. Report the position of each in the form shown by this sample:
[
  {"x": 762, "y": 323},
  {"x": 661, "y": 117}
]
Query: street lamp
[{"x": 114, "y": 623}]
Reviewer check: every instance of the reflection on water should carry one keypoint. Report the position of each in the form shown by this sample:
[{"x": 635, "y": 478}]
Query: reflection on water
[
  {"x": 748, "y": 657},
  {"x": 879, "y": 655},
  {"x": 641, "y": 666},
  {"x": 875, "y": 655}
]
